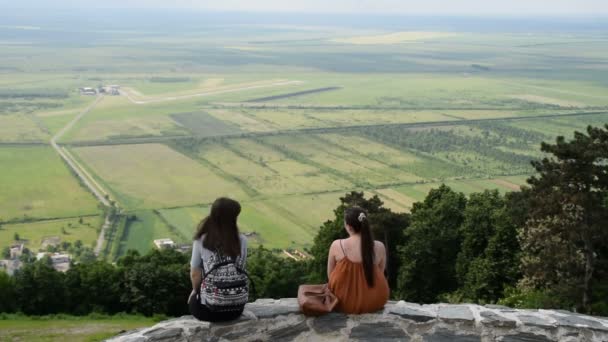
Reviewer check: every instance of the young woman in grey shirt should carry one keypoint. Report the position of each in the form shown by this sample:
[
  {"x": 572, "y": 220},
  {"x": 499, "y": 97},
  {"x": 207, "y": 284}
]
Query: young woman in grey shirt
[{"x": 217, "y": 239}]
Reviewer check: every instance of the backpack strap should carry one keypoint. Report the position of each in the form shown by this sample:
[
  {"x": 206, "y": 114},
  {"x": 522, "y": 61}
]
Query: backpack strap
[{"x": 251, "y": 282}]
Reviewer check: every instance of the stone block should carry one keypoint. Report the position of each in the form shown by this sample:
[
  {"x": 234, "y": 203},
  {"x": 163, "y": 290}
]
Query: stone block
[
  {"x": 496, "y": 320},
  {"x": 288, "y": 333},
  {"x": 329, "y": 323},
  {"x": 380, "y": 331},
  {"x": 411, "y": 312},
  {"x": 524, "y": 337},
  {"x": 445, "y": 335},
  {"x": 456, "y": 313}
]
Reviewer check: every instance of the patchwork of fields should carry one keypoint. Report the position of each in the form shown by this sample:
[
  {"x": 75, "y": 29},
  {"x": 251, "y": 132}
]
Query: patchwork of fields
[{"x": 286, "y": 122}]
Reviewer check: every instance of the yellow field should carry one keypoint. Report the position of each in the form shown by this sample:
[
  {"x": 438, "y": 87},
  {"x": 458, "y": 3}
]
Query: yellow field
[
  {"x": 256, "y": 151},
  {"x": 375, "y": 117},
  {"x": 396, "y": 200},
  {"x": 394, "y": 38},
  {"x": 262, "y": 179},
  {"x": 306, "y": 177},
  {"x": 345, "y": 160},
  {"x": 240, "y": 118},
  {"x": 153, "y": 175},
  {"x": 18, "y": 127},
  {"x": 372, "y": 149},
  {"x": 548, "y": 100},
  {"x": 133, "y": 126}
]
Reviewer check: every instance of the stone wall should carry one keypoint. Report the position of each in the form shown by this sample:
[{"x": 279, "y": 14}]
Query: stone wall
[{"x": 280, "y": 320}]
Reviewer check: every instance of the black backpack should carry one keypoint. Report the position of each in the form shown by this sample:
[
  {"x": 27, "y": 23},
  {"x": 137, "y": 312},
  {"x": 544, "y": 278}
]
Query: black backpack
[{"x": 225, "y": 286}]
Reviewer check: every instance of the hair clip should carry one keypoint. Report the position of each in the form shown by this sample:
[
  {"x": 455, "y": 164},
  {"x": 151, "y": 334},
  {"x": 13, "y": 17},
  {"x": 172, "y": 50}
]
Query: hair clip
[{"x": 361, "y": 217}]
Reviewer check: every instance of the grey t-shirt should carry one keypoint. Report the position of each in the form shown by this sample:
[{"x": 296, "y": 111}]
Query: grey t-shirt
[{"x": 202, "y": 255}]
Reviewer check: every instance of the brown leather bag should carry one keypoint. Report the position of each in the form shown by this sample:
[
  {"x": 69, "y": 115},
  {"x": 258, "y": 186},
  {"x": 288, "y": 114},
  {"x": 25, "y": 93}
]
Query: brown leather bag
[{"x": 316, "y": 300}]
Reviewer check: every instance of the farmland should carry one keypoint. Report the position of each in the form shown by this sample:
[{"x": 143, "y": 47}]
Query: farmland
[
  {"x": 285, "y": 120},
  {"x": 31, "y": 177}
]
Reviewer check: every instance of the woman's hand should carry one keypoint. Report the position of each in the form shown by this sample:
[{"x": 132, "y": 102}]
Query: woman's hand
[{"x": 192, "y": 295}]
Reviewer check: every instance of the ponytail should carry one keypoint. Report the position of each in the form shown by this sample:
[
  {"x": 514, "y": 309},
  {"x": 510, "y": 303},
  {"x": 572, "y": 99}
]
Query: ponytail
[
  {"x": 357, "y": 219},
  {"x": 367, "y": 252}
]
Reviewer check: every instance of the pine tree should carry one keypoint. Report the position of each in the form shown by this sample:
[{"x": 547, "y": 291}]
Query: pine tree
[{"x": 564, "y": 239}]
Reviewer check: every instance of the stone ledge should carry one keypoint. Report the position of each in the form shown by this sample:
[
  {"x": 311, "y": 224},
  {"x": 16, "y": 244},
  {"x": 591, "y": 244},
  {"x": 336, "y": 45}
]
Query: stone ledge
[{"x": 280, "y": 320}]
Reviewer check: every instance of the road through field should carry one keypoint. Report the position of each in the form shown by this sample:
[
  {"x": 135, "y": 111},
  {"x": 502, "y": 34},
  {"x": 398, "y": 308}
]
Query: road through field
[
  {"x": 207, "y": 93},
  {"x": 72, "y": 163},
  {"x": 86, "y": 179}
]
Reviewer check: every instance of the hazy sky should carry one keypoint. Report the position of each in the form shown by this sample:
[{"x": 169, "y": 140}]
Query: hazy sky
[{"x": 436, "y": 7}]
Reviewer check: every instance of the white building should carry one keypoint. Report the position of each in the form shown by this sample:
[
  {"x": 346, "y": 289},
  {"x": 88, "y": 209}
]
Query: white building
[
  {"x": 16, "y": 251},
  {"x": 10, "y": 266},
  {"x": 164, "y": 243},
  {"x": 87, "y": 91},
  {"x": 60, "y": 261}
]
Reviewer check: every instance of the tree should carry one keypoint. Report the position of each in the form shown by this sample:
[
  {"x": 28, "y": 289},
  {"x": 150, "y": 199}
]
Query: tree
[
  {"x": 8, "y": 301},
  {"x": 16, "y": 237},
  {"x": 274, "y": 276},
  {"x": 564, "y": 240},
  {"x": 156, "y": 283},
  {"x": 489, "y": 257},
  {"x": 93, "y": 287},
  {"x": 39, "y": 289},
  {"x": 6, "y": 252},
  {"x": 432, "y": 243}
]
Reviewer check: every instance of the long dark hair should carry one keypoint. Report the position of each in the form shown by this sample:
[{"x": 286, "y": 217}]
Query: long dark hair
[
  {"x": 356, "y": 217},
  {"x": 222, "y": 233}
]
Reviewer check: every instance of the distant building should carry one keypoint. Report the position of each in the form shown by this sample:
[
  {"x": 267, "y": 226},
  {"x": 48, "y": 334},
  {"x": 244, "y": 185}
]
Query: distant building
[
  {"x": 184, "y": 248},
  {"x": 87, "y": 91},
  {"x": 59, "y": 261},
  {"x": 111, "y": 89},
  {"x": 164, "y": 243},
  {"x": 16, "y": 251},
  {"x": 10, "y": 266}
]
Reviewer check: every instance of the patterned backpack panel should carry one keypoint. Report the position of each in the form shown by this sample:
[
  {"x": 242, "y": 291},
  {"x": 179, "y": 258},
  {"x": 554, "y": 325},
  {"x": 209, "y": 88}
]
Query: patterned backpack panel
[{"x": 224, "y": 286}]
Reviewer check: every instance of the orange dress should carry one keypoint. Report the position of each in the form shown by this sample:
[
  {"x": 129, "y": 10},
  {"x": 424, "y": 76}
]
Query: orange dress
[{"x": 347, "y": 282}]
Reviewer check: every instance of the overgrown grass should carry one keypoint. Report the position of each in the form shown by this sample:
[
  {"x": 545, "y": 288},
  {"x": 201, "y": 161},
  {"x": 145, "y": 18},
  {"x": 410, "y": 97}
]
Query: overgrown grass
[{"x": 93, "y": 327}]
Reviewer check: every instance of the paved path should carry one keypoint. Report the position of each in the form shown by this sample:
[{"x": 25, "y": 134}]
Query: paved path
[
  {"x": 207, "y": 93},
  {"x": 71, "y": 162},
  {"x": 102, "y": 237},
  {"x": 84, "y": 176}
]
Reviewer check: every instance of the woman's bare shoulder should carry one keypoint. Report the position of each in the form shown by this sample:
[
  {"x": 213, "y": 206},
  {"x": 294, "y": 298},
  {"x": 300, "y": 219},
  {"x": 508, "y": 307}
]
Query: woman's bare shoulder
[
  {"x": 378, "y": 244},
  {"x": 335, "y": 244}
]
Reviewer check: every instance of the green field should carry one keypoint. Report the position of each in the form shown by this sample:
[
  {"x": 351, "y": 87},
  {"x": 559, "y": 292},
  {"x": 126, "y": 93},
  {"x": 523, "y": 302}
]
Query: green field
[
  {"x": 271, "y": 225},
  {"x": 208, "y": 111},
  {"x": 140, "y": 234},
  {"x": 153, "y": 175},
  {"x": 15, "y": 127},
  {"x": 36, "y": 183},
  {"x": 34, "y": 234}
]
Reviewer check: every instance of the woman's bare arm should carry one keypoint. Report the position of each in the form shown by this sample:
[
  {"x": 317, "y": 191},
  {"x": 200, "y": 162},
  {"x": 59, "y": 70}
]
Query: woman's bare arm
[
  {"x": 331, "y": 259},
  {"x": 196, "y": 276},
  {"x": 381, "y": 255}
]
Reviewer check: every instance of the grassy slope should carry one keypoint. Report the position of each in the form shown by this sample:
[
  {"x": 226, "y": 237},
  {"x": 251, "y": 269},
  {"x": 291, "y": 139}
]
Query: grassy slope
[{"x": 77, "y": 329}]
